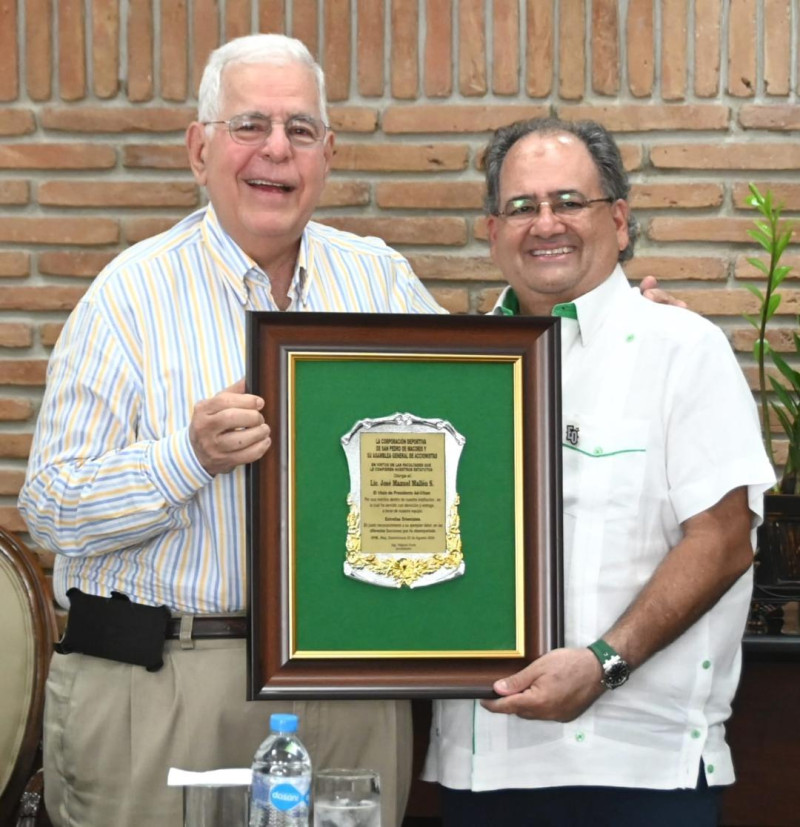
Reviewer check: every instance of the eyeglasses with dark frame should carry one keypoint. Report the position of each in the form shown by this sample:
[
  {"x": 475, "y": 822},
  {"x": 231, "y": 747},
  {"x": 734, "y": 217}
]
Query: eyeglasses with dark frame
[
  {"x": 253, "y": 129},
  {"x": 565, "y": 205}
]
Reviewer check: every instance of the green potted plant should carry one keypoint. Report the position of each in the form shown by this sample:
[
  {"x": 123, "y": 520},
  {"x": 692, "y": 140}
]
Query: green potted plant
[{"x": 778, "y": 569}]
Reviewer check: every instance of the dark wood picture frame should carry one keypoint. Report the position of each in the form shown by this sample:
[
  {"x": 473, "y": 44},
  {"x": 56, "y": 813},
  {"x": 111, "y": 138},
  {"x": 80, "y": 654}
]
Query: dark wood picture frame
[{"x": 277, "y": 668}]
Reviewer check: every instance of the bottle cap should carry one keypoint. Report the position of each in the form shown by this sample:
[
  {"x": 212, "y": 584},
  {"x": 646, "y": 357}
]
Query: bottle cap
[{"x": 283, "y": 722}]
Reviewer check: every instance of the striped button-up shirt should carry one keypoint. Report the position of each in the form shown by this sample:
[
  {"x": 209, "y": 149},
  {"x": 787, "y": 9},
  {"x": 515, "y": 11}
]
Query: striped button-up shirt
[{"x": 113, "y": 484}]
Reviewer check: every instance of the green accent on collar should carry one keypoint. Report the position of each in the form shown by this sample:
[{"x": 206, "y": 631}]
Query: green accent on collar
[
  {"x": 566, "y": 311},
  {"x": 510, "y": 305}
]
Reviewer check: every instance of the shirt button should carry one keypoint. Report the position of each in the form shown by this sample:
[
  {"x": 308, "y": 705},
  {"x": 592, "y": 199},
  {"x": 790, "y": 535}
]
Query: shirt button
[
  {"x": 696, "y": 733},
  {"x": 580, "y": 737},
  {"x": 710, "y": 768},
  {"x": 598, "y": 451},
  {"x": 630, "y": 337},
  {"x": 706, "y": 664}
]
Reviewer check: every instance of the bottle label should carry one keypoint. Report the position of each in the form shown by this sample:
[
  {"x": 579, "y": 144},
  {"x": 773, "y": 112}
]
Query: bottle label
[{"x": 288, "y": 796}]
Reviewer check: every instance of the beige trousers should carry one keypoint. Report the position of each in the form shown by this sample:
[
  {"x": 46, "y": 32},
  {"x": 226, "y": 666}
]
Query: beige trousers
[{"x": 112, "y": 731}]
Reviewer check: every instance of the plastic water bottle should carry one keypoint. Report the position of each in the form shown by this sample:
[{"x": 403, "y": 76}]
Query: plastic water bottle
[{"x": 281, "y": 788}]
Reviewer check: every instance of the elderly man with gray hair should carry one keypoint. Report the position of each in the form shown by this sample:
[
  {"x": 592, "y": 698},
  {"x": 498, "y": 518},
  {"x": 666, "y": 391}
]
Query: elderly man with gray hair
[{"x": 136, "y": 476}]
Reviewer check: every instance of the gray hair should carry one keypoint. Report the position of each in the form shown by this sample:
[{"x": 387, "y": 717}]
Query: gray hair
[
  {"x": 274, "y": 49},
  {"x": 596, "y": 139}
]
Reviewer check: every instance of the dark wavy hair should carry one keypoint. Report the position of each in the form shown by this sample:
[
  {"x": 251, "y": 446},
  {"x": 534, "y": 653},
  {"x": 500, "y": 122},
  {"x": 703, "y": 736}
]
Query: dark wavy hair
[{"x": 601, "y": 146}]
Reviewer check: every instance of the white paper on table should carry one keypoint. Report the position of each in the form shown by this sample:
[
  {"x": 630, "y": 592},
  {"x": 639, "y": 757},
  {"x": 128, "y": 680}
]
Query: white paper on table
[{"x": 213, "y": 778}]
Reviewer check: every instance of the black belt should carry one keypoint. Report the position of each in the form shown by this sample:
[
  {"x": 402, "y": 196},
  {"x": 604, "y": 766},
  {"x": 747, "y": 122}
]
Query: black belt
[{"x": 203, "y": 627}]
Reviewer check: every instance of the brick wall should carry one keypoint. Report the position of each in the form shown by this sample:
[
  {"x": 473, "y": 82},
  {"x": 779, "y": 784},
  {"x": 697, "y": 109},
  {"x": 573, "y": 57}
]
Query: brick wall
[{"x": 95, "y": 96}]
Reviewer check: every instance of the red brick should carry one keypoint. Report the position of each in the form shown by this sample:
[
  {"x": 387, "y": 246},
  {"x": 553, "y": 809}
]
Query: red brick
[
  {"x": 105, "y": 47},
  {"x": 571, "y": 28},
  {"x": 94, "y": 119},
  {"x": 11, "y": 482},
  {"x": 779, "y": 339},
  {"x": 46, "y": 297},
  {"x": 138, "y": 229},
  {"x": 438, "y": 71},
  {"x": 14, "y": 192},
  {"x": 455, "y": 268},
  {"x": 9, "y": 51},
  {"x": 336, "y": 61},
  {"x": 237, "y": 18},
  {"x": 14, "y": 264},
  {"x": 39, "y": 48},
  {"x": 452, "y": 299},
  {"x": 425, "y": 195},
  {"x": 726, "y": 156},
  {"x": 656, "y": 196},
  {"x": 14, "y": 446},
  {"x": 782, "y": 193},
  {"x": 745, "y": 270},
  {"x": 174, "y": 40},
  {"x": 353, "y": 119},
  {"x": 780, "y": 117},
  {"x": 345, "y": 194},
  {"x": 15, "y": 334},
  {"x": 700, "y": 229},
  {"x": 605, "y": 47},
  {"x": 16, "y": 122},
  {"x": 52, "y": 230},
  {"x": 675, "y": 268},
  {"x": 404, "y": 48},
  {"x": 71, "y": 49},
  {"x": 304, "y": 23},
  {"x": 505, "y": 47},
  {"x": 707, "y": 47},
  {"x": 370, "y": 48},
  {"x": 777, "y": 47},
  {"x": 480, "y": 231},
  {"x": 733, "y": 302},
  {"x": 471, "y": 48},
  {"x": 440, "y": 231},
  {"x": 153, "y": 156},
  {"x": 649, "y": 118},
  {"x": 140, "y": 50},
  {"x": 205, "y": 36},
  {"x": 742, "y": 48},
  {"x": 271, "y": 16},
  {"x": 10, "y": 517},
  {"x": 15, "y": 410},
  {"x": 400, "y": 157},
  {"x": 50, "y": 332},
  {"x": 674, "y": 21},
  {"x": 74, "y": 264},
  {"x": 74, "y": 193},
  {"x": 456, "y": 118},
  {"x": 539, "y": 47},
  {"x": 639, "y": 36},
  {"x": 23, "y": 372},
  {"x": 56, "y": 156}
]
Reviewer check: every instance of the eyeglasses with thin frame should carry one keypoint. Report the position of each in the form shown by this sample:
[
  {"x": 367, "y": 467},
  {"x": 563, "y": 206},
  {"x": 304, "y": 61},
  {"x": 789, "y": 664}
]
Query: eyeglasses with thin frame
[
  {"x": 302, "y": 131},
  {"x": 565, "y": 205}
]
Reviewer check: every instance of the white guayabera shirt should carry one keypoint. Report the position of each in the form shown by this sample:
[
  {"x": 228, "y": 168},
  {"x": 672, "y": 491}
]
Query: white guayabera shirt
[{"x": 659, "y": 425}]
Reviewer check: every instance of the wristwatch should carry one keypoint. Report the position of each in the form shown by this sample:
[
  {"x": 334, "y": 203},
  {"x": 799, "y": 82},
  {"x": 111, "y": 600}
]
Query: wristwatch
[{"x": 615, "y": 670}]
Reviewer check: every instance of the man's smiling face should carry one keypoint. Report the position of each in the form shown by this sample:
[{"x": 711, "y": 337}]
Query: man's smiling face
[
  {"x": 264, "y": 196},
  {"x": 553, "y": 259}
]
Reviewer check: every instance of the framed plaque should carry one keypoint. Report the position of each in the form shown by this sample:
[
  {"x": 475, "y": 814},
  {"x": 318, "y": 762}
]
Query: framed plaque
[{"x": 404, "y": 529}]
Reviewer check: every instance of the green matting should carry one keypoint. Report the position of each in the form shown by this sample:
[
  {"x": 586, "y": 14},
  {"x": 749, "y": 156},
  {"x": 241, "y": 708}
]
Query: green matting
[{"x": 469, "y": 614}]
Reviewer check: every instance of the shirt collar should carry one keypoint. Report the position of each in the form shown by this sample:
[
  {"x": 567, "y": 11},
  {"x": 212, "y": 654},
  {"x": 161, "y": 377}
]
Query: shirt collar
[
  {"x": 590, "y": 310},
  {"x": 235, "y": 265}
]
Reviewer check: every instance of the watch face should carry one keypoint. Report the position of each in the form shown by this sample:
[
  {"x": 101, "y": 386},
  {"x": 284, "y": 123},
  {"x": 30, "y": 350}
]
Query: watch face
[{"x": 615, "y": 672}]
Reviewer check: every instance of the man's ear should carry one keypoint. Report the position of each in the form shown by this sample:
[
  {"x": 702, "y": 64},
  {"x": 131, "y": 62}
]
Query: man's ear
[
  {"x": 620, "y": 210},
  {"x": 196, "y": 146}
]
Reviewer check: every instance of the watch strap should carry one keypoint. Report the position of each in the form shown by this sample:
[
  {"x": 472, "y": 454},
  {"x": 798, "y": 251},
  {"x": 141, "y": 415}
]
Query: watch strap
[{"x": 602, "y": 651}]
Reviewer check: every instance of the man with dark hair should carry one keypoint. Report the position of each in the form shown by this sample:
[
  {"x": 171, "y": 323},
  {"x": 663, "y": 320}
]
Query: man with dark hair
[{"x": 663, "y": 479}]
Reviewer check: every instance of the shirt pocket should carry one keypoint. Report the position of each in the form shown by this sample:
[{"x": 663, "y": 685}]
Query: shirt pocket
[{"x": 604, "y": 466}]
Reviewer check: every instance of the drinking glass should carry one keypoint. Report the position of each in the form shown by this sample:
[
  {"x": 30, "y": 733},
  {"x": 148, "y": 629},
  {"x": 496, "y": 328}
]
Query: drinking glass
[
  {"x": 347, "y": 798},
  {"x": 216, "y": 805}
]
